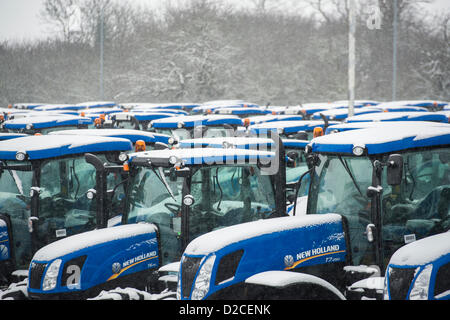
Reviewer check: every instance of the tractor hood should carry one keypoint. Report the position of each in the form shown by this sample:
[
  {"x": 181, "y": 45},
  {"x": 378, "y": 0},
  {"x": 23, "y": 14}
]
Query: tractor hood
[
  {"x": 230, "y": 255},
  {"x": 84, "y": 261}
]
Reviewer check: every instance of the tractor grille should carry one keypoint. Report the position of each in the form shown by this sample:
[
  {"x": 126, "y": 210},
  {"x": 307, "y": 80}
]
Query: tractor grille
[
  {"x": 400, "y": 280},
  {"x": 36, "y": 272},
  {"x": 189, "y": 269}
]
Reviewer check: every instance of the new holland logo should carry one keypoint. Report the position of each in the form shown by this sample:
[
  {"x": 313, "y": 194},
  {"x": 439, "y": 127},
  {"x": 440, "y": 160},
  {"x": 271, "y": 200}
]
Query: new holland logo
[
  {"x": 311, "y": 254},
  {"x": 288, "y": 261},
  {"x": 116, "y": 267}
]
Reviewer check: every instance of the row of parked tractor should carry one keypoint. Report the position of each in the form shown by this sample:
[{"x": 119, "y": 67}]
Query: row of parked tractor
[{"x": 225, "y": 200}]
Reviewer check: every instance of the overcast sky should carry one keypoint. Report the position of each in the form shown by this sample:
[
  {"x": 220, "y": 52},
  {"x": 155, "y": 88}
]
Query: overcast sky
[{"x": 19, "y": 19}]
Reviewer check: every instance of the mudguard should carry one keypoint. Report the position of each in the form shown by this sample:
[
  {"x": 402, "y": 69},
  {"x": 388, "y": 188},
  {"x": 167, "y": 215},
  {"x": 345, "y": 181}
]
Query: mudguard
[
  {"x": 95, "y": 260},
  {"x": 5, "y": 239},
  {"x": 290, "y": 285},
  {"x": 6, "y": 252},
  {"x": 215, "y": 263}
]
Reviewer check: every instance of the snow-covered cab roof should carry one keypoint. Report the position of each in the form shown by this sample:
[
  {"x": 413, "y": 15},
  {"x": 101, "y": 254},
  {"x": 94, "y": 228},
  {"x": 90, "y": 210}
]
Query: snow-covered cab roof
[
  {"x": 200, "y": 156},
  {"x": 211, "y": 106},
  {"x": 342, "y": 113},
  {"x": 153, "y": 110},
  {"x": 10, "y": 135},
  {"x": 363, "y": 125},
  {"x": 377, "y": 141},
  {"x": 227, "y": 142},
  {"x": 400, "y": 116},
  {"x": 287, "y": 127},
  {"x": 26, "y": 105},
  {"x": 141, "y": 116},
  {"x": 52, "y": 107},
  {"x": 130, "y": 134},
  {"x": 42, "y": 122},
  {"x": 96, "y": 104},
  {"x": 243, "y": 111},
  {"x": 196, "y": 120},
  {"x": 42, "y": 147}
]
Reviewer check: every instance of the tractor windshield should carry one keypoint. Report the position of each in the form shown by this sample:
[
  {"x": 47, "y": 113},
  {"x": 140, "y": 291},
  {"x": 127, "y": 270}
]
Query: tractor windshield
[
  {"x": 15, "y": 183},
  {"x": 178, "y": 134},
  {"x": 339, "y": 185},
  {"x": 228, "y": 195},
  {"x": 64, "y": 208},
  {"x": 155, "y": 197}
]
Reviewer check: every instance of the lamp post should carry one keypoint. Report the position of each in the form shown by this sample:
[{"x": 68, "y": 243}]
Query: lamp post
[
  {"x": 351, "y": 58},
  {"x": 101, "y": 51},
  {"x": 394, "y": 52}
]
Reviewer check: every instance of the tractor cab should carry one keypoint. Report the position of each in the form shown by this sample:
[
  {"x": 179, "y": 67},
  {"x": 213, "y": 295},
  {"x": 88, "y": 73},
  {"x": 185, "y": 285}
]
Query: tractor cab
[
  {"x": 47, "y": 192},
  {"x": 296, "y": 164},
  {"x": 389, "y": 182},
  {"x": 371, "y": 192}
]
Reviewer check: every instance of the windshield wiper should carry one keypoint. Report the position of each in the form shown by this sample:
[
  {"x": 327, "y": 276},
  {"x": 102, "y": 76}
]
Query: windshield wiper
[
  {"x": 162, "y": 177},
  {"x": 345, "y": 165}
]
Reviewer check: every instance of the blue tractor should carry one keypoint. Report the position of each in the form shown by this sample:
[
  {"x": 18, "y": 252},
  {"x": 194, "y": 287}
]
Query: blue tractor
[
  {"x": 371, "y": 192},
  {"x": 47, "y": 192}
]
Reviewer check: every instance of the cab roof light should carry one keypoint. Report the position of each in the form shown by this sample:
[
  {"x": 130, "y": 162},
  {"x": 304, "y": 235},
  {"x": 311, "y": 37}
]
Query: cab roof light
[
  {"x": 246, "y": 122},
  {"x": 139, "y": 146},
  {"x": 317, "y": 132},
  {"x": 98, "y": 122}
]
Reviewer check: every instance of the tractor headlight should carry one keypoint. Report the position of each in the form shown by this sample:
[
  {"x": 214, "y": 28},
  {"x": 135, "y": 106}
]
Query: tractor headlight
[
  {"x": 123, "y": 157},
  {"x": 358, "y": 150},
  {"x": 51, "y": 276},
  {"x": 201, "y": 286},
  {"x": 21, "y": 155},
  {"x": 173, "y": 160},
  {"x": 420, "y": 287}
]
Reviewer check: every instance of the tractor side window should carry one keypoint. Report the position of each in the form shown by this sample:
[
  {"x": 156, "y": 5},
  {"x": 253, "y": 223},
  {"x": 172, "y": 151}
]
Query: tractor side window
[
  {"x": 419, "y": 206},
  {"x": 155, "y": 197}
]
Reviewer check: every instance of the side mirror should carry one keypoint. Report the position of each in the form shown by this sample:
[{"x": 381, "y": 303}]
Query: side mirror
[
  {"x": 394, "y": 169},
  {"x": 182, "y": 173},
  {"x": 292, "y": 159},
  {"x": 291, "y": 197},
  {"x": 301, "y": 135}
]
